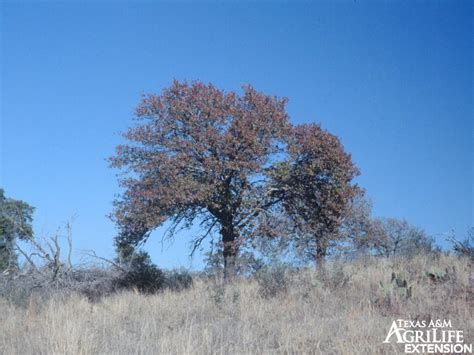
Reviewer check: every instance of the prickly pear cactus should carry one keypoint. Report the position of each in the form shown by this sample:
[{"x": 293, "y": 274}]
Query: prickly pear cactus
[
  {"x": 439, "y": 275},
  {"x": 397, "y": 286}
]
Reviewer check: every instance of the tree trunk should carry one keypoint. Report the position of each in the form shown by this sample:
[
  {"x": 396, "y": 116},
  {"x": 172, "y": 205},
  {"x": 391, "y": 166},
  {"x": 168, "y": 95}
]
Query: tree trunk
[
  {"x": 320, "y": 254},
  {"x": 230, "y": 251}
]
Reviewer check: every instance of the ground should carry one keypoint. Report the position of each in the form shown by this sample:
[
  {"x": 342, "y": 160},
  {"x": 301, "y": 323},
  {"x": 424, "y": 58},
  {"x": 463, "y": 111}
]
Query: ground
[{"x": 348, "y": 309}]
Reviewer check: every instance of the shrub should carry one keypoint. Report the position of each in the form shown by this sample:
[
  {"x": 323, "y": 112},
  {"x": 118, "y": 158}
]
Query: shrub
[
  {"x": 464, "y": 247},
  {"x": 334, "y": 276},
  {"x": 142, "y": 275},
  {"x": 178, "y": 280},
  {"x": 274, "y": 280},
  {"x": 246, "y": 264}
]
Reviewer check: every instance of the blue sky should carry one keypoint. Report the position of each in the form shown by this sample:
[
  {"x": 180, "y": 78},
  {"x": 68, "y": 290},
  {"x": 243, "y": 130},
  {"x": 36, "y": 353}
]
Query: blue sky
[{"x": 392, "y": 79}]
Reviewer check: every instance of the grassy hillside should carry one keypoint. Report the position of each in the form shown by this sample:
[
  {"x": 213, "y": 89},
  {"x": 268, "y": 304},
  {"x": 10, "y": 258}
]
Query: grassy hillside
[{"x": 345, "y": 310}]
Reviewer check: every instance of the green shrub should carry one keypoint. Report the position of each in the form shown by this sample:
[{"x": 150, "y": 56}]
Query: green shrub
[{"x": 142, "y": 275}]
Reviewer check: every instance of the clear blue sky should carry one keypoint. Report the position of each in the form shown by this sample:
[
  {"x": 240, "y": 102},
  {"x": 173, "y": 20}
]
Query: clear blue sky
[{"x": 392, "y": 79}]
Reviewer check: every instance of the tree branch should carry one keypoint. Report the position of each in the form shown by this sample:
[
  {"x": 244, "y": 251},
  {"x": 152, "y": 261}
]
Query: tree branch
[{"x": 198, "y": 242}]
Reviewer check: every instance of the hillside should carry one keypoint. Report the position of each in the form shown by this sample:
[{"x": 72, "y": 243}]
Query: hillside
[{"x": 348, "y": 309}]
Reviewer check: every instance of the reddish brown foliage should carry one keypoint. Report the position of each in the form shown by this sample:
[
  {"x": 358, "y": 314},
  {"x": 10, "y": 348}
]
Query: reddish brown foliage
[
  {"x": 314, "y": 184},
  {"x": 202, "y": 154}
]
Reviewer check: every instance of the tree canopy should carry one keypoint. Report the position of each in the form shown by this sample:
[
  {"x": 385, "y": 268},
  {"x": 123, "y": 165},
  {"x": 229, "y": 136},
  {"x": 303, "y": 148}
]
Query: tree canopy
[
  {"x": 15, "y": 222},
  {"x": 202, "y": 155},
  {"x": 314, "y": 185}
]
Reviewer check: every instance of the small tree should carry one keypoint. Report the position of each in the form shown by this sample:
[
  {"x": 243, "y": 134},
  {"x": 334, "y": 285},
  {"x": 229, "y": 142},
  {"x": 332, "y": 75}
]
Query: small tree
[
  {"x": 15, "y": 222},
  {"x": 315, "y": 186},
  {"x": 357, "y": 226},
  {"x": 464, "y": 247},
  {"x": 392, "y": 236}
]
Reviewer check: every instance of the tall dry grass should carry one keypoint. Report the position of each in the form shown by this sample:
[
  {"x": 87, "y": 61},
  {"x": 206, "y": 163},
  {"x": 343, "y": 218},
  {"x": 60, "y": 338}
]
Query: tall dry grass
[{"x": 341, "y": 311}]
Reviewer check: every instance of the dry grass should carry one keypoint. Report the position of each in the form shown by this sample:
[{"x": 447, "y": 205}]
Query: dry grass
[{"x": 343, "y": 311}]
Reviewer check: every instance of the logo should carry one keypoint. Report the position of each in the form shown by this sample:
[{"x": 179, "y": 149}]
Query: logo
[{"x": 423, "y": 337}]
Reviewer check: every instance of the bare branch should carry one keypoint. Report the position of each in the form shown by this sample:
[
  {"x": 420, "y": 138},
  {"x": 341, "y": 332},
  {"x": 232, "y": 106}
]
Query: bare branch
[
  {"x": 28, "y": 258},
  {"x": 198, "y": 242},
  {"x": 69, "y": 242},
  {"x": 92, "y": 254}
]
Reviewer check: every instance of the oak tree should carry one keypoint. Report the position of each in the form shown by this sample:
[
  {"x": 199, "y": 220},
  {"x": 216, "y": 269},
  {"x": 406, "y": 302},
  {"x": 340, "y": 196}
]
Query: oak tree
[
  {"x": 314, "y": 184},
  {"x": 198, "y": 155},
  {"x": 397, "y": 237},
  {"x": 228, "y": 162}
]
